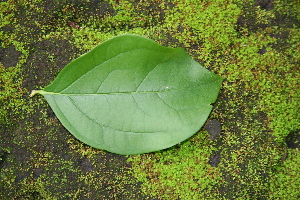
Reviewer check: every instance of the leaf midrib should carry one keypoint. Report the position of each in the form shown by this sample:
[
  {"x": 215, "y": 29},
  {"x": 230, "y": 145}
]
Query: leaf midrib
[{"x": 117, "y": 93}]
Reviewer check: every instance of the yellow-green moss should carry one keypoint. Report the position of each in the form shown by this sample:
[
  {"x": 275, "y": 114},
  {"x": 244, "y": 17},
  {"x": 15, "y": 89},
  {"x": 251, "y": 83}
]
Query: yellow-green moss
[{"x": 257, "y": 106}]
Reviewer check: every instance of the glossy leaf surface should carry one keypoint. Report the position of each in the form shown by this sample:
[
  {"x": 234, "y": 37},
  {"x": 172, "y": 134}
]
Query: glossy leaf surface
[{"x": 130, "y": 95}]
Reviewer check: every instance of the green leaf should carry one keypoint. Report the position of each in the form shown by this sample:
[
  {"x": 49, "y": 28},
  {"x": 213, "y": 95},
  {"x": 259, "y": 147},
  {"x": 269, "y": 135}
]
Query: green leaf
[{"x": 130, "y": 95}]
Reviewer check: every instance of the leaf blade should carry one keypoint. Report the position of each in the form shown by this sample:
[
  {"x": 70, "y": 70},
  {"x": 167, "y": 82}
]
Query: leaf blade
[{"x": 144, "y": 97}]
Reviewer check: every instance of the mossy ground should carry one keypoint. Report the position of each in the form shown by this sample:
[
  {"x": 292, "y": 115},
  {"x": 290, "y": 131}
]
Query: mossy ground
[{"x": 253, "y": 45}]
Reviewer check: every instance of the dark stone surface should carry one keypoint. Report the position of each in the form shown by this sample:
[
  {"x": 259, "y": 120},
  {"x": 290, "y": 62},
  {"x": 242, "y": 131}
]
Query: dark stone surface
[
  {"x": 293, "y": 140},
  {"x": 214, "y": 159},
  {"x": 213, "y": 127}
]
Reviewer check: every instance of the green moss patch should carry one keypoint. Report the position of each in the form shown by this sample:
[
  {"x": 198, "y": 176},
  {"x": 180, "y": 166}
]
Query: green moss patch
[{"x": 253, "y": 45}]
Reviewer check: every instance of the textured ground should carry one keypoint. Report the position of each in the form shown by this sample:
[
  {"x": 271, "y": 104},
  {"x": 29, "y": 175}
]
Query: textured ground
[{"x": 249, "y": 148}]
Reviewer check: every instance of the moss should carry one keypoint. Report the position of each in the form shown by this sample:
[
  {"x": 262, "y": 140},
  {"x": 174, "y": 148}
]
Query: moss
[
  {"x": 257, "y": 107},
  {"x": 10, "y": 89},
  {"x": 180, "y": 172},
  {"x": 285, "y": 183},
  {"x": 40, "y": 159}
]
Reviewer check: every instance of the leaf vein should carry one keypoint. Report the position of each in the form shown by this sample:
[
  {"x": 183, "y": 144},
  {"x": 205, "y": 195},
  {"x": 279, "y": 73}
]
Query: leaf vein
[{"x": 96, "y": 66}]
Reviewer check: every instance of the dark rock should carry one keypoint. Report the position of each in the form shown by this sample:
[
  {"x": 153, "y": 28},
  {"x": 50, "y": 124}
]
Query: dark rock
[
  {"x": 5, "y": 56},
  {"x": 213, "y": 127},
  {"x": 293, "y": 140},
  {"x": 265, "y": 4},
  {"x": 37, "y": 172},
  {"x": 262, "y": 51},
  {"x": 85, "y": 165},
  {"x": 3, "y": 156},
  {"x": 214, "y": 159}
]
